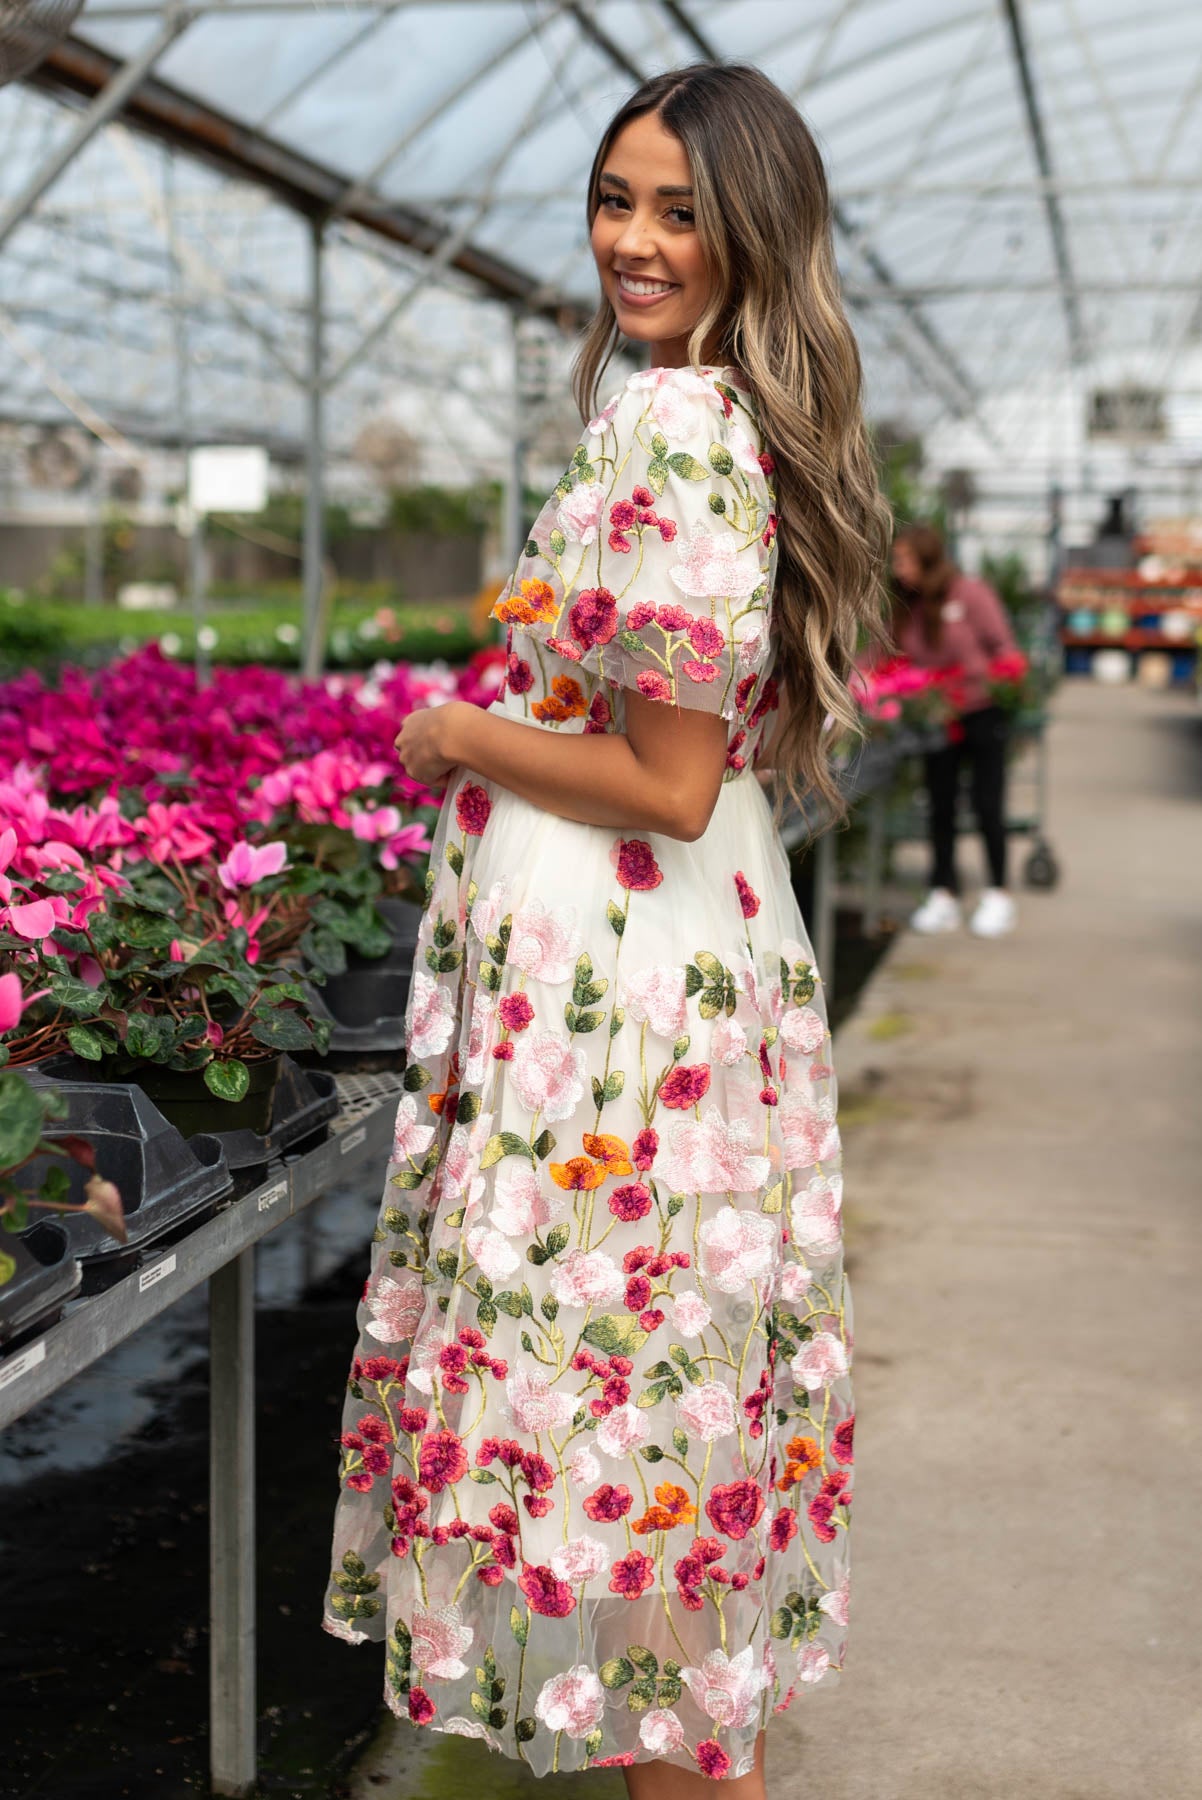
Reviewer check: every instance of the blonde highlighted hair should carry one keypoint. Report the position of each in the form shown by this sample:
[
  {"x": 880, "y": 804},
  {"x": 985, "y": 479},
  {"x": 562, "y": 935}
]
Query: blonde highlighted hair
[{"x": 763, "y": 217}]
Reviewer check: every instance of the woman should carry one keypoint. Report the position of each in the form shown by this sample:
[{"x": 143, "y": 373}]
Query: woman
[
  {"x": 597, "y": 1452},
  {"x": 947, "y": 620}
]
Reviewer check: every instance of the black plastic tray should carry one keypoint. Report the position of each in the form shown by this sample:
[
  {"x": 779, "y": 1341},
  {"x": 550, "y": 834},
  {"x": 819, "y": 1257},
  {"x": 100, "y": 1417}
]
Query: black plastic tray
[
  {"x": 304, "y": 1102},
  {"x": 168, "y": 1183},
  {"x": 366, "y": 1004},
  {"x": 46, "y": 1276}
]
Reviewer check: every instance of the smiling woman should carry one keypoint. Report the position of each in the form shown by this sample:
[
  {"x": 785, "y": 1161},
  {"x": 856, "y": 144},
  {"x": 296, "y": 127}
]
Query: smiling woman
[{"x": 607, "y": 1278}]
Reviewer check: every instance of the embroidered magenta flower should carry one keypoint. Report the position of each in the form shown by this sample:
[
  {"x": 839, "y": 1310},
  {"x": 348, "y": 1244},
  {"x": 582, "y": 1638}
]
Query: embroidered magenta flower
[
  {"x": 700, "y": 672},
  {"x": 645, "y": 1147},
  {"x": 734, "y": 1507},
  {"x": 608, "y": 1504},
  {"x": 638, "y": 870},
  {"x": 618, "y": 541},
  {"x": 749, "y": 900},
  {"x": 640, "y": 615},
  {"x": 518, "y": 674},
  {"x": 685, "y": 1086},
  {"x": 842, "y": 1438},
  {"x": 631, "y": 1201},
  {"x": 515, "y": 1012},
  {"x": 654, "y": 686},
  {"x": 712, "y": 1759},
  {"x": 623, "y": 514},
  {"x": 632, "y": 1575},
  {"x": 472, "y": 807},
  {"x": 783, "y": 1528},
  {"x": 421, "y": 1707},
  {"x": 441, "y": 1460},
  {"x": 705, "y": 638},
  {"x": 667, "y": 529},
  {"x": 594, "y": 617},
  {"x": 549, "y": 1596}
]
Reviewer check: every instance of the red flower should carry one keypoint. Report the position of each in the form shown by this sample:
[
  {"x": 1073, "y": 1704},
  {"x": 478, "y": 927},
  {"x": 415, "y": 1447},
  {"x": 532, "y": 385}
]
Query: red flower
[
  {"x": 712, "y": 1759},
  {"x": 783, "y": 1528},
  {"x": 667, "y": 529},
  {"x": 618, "y": 542},
  {"x": 492, "y": 1575},
  {"x": 632, "y": 1575},
  {"x": 609, "y": 1504},
  {"x": 623, "y": 1760},
  {"x": 515, "y": 1012},
  {"x": 631, "y": 1201},
  {"x": 705, "y": 638},
  {"x": 637, "y": 867},
  {"x": 519, "y": 675},
  {"x": 600, "y": 714},
  {"x": 553, "y": 1599},
  {"x": 672, "y": 617},
  {"x": 646, "y": 1144},
  {"x": 379, "y": 1368},
  {"x": 472, "y": 807},
  {"x": 766, "y": 462},
  {"x": 841, "y": 1440},
  {"x": 504, "y": 1518},
  {"x": 643, "y": 497},
  {"x": 538, "y": 1505},
  {"x": 537, "y": 1471},
  {"x": 421, "y": 1707},
  {"x": 413, "y": 1419},
  {"x": 735, "y": 1507},
  {"x": 749, "y": 900},
  {"x": 638, "y": 1293},
  {"x": 640, "y": 615},
  {"x": 652, "y": 1319},
  {"x": 594, "y": 617},
  {"x": 685, "y": 1086},
  {"x": 503, "y": 1052},
  {"x": 441, "y": 1460},
  {"x": 699, "y": 671},
  {"x": 623, "y": 514},
  {"x": 360, "y": 1481}
]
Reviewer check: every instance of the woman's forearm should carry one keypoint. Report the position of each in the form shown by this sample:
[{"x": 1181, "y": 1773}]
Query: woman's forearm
[{"x": 598, "y": 779}]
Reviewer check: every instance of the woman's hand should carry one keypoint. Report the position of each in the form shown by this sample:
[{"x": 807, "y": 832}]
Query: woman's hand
[{"x": 425, "y": 743}]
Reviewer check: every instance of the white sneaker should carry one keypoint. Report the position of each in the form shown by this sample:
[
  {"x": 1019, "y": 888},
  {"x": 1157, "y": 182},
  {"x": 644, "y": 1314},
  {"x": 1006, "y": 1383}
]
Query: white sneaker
[
  {"x": 940, "y": 911},
  {"x": 995, "y": 914}
]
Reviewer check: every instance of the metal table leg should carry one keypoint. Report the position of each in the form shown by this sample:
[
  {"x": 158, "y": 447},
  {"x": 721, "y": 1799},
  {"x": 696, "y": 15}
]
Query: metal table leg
[
  {"x": 232, "y": 1700},
  {"x": 824, "y": 911}
]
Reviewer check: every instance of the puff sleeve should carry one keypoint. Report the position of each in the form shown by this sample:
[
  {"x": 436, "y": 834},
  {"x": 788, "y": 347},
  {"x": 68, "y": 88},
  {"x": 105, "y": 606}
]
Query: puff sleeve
[{"x": 651, "y": 564}]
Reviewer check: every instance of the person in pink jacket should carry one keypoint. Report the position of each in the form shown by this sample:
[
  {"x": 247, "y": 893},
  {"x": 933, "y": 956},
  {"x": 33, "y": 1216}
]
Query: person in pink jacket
[{"x": 944, "y": 619}]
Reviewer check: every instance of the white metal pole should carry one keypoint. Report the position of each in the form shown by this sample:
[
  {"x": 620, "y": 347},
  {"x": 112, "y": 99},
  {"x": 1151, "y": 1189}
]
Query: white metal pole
[{"x": 312, "y": 651}]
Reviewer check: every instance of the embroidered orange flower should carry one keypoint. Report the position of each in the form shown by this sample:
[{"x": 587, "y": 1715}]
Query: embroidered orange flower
[
  {"x": 802, "y": 1454},
  {"x": 578, "y": 1174},
  {"x": 533, "y": 604},
  {"x": 610, "y": 1150},
  {"x": 565, "y": 701},
  {"x": 673, "y": 1508}
]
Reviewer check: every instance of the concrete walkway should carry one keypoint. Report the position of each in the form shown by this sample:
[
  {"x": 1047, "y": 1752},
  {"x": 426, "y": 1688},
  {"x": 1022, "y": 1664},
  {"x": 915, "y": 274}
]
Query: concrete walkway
[{"x": 1024, "y": 1139}]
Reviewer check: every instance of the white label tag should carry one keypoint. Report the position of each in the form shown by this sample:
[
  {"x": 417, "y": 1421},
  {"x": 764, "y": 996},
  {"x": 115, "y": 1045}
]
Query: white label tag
[
  {"x": 353, "y": 1139},
  {"x": 156, "y": 1272},
  {"x": 21, "y": 1365},
  {"x": 273, "y": 1195}
]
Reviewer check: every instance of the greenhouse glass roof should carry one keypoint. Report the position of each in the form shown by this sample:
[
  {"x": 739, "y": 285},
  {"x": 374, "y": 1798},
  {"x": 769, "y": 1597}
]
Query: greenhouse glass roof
[{"x": 1018, "y": 182}]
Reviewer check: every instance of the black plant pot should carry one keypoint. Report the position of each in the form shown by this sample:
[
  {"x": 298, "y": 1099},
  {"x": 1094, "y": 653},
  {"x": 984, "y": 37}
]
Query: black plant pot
[
  {"x": 46, "y": 1275},
  {"x": 374, "y": 989},
  {"x": 182, "y": 1096}
]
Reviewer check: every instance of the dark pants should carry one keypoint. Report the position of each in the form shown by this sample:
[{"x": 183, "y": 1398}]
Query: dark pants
[{"x": 984, "y": 743}]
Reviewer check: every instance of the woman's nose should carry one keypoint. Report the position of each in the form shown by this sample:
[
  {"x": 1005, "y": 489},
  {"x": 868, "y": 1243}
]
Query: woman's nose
[{"x": 635, "y": 239}]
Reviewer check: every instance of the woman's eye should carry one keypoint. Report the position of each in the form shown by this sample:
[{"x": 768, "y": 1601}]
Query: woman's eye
[
  {"x": 606, "y": 198},
  {"x": 684, "y": 214}
]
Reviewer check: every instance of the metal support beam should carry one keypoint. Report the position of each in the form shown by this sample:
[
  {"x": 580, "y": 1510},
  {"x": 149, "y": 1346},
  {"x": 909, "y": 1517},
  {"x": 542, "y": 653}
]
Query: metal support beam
[
  {"x": 108, "y": 101},
  {"x": 233, "y": 1709},
  {"x": 1078, "y": 349},
  {"x": 313, "y": 569}
]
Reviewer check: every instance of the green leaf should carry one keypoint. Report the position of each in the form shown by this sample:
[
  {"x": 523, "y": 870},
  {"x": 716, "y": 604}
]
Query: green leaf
[
  {"x": 720, "y": 459},
  {"x": 585, "y": 1021},
  {"x": 479, "y": 1705},
  {"x": 780, "y": 1625},
  {"x": 717, "y": 503},
  {"x": 531, "y": 547},
  {"x": 468, "y": 1108},
  {"x": 614, "y": 913},
  {"x": 641, "y": 1695},
  {"x": 694, "y": 980},
  {"x": 651, "y": 1453},
  {"x": 481, "y": 1477},
  {"x": 75, "y": 996},
  {"x": 629, "y": 640},
  {"x": 651, "y": 1396},
  {"x": 415, "y": 1078},
  {"x": 447, "y": 1264},
  {"x": 669, "y": 1691},
  {"x": 228, "y": 1079},
  {"x": 680, "y": 1442},
  {"x": 643, "y": 1659},
  {"x": 454, "y": 856},
  {"x": 681, "y": 463},
  {"x": 548, "y": 1306},
  {"x": 679, "y": 1355},
  {"x": 615, "y": 1081},
  {"x": 326, "y": 951},
  {"x": 616, "y": 1333},
  {"x": 87, "y": 1042},
  {"x": 680, "y": 1048},
  {"x": 509, "y": 1303},
  {"x": 524, "y": 1730},
  {"x": 557, "y": 1238},
  {"x": 408, "y": 1179},
  {"x": 616, "y": 1673},
  {"x": 617, "y": 1019},
  {"x": 448, "y": 960},
  {"x": 8, "y": 1267},
  {"x": 520, "y": 1627},
  {"x": 543, "y": 1145},
  {"x": 282, "y": 1030},
  {"x": 486, "y": 1316},
  {"x": 657, "y": 474},
  {"x": 505, "y": 1143},
  {"x": 709, "y": 965}
]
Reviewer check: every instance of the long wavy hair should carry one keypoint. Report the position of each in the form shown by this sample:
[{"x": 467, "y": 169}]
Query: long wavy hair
[
  {"x": 936, "y": 572},
  {"x": 763, "y": 216}
]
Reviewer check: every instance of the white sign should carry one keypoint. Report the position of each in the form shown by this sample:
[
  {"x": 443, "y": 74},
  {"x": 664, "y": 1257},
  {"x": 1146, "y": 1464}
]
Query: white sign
[
  {"x": 154, "y": 1274},
  {"x": 228, "y": 478},
  {"x": 353, "y": 1139},
  {"x": 273, "y": 1195},
  {"x": 21, "y": 1365}
]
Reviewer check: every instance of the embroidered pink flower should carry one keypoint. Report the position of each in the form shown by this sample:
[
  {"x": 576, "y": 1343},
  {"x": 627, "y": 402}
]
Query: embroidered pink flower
[
  {"x": 685, "y": 1086},
  {"x": 809, "y": 1131},
  {"x": 439, "y": 1639},
  {"x": 573, "y": 1702},
  {"x": 632, "y": 1575},
  {"x": 623, "y": 1431},
  {"x": 748, "y": 898},
  {"x": 795, "y": 1282},
  {"x": 636, "y": 865},
  {"x": 707, "y": 1412},
  {"x": 536, "y": 1405},
  {"x": 657, "y": 995},
  {"x": 441, "y": 1461},
  {"x": 396, "y": 1308},
  {"x": 737, "y": 1247},
  {"x": 520, "y": 1204},
  {"x": 817, "y": 1216},
  {"x": 660, "y": 1732},
  {"x": 728, "y": 1042},
  {"x": 580, "y": 1559},
  {"x": 587, "y": 1278},
  {"x": 802, "y": 1029},
  {"x": 492, "y": 1252},
  {"x": 410, "y": 1140},
  {"x": 552, "y": 1598},
  {"x": 813, "y": 1663},
  {"x": 835, "y": 1603},
  {"x": 583, "y": 1467},
  {"x": 472, "y": 807},
  {"x": 727, "y": 1689},
  {"x": 711, "y": 568},
  {"x": 819, "y": 1363},
  {"x": 712, "y": 1156},
  {"x": 431, "y": 1016},
  {"x": 548, "y": 1074},
  {"x": 594, "y": 617},
  {"x": 543, "y": 942},
  {"x": 734, "y": 1508},
  {"x": 579, "y": 513},
  {"x": 690, "y": 1313}
]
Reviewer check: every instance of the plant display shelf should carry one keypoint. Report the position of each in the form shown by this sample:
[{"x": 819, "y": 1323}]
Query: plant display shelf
[{"x": 222, "y": 1252}]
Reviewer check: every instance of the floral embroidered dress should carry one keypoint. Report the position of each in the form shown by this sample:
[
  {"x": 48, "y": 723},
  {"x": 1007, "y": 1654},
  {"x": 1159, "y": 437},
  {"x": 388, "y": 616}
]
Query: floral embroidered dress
[{"x": 597, "y": 1447}]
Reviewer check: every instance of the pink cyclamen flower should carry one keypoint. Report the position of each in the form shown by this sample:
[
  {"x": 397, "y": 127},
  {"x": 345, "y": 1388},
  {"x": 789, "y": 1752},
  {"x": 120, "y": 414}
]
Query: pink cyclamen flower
[
  {"x": 248, "y": 864},
  {"x": 12, "y": 1005},
  {"x": 31, "y": 919}
]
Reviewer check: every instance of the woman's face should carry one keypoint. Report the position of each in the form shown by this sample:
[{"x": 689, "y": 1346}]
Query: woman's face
[
  {"x": 645, "y": 240},
  {"x": 906, "y": 566}
]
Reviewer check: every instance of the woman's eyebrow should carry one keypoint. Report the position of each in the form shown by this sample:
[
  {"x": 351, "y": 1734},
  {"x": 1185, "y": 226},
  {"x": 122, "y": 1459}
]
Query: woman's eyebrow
[{"x": 618, "y": 182}]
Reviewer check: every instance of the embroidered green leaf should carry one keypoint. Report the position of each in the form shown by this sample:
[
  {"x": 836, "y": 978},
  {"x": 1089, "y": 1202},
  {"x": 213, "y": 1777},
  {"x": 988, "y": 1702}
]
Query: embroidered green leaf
[
  {"x": 643, "y": 1659},
  {"x": 680, "y": 1048},
  {"x": 657, "y": 474},
  {"x": 557, "y": 1238},
  {"x": 652, "y": 1395},
  {"x": 455, "y": 1220},
  {"x": 505, "y": 1143},
  {"x": 544, "y": 1143},
  {"x": 617, "y": 1019},
  {"x": 489, "y": 977},
  {"x": 486, "y": 1316},
  {"x": 509, "y": 1303},
  {"x": 717, "y": 503},
  {"x": 679, "y": 1355},
  {"x": 680, "y": 1442},
  {"x": 586, "y": 1021},
  {"x": 675, "y": 1205},
  {"x": 681, "y": 463},
  {"x": 616, "y": 1333},
  {"x": 615, "y": 1081},
  {"x": 408, "y": 1179},
  {"x": 640, "y": 1696},
  {"x": 615, "y": 915},
  {"x": 524, "y": 1730},
  {"x": 454, "y": 856},
  {"x": 709, "y": 965},
  {"x": 520, "y": 1627},
  {"x": 448, "y": 960},
  {"x": 780, "y": 1625},
  {"x": 558, "y": 542},
  {"x": 479, "y": 1705},
  {"x": 548, "y": 1306},
  {"x": 720, "y": 459},
  {"x": 444, "y": 933},
  {"x": 651, "y": 1453},
  {"x": 616, "y": 1673},
  {"x": 447, "y": 1262},
  {"x": 527, "y": 1343},
  {"x": 694, "y": 980},
  {"x": 468, "y": 1108},
  {"x": 659, "y": 444}
]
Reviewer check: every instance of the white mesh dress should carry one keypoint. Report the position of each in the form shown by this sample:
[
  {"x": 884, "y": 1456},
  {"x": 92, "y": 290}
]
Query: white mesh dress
[{"x": 597, "y": 1446}]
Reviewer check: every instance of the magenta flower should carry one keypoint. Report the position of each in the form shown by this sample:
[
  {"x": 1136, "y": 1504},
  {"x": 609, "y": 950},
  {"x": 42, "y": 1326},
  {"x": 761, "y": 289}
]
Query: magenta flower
[
  {"x": 12, "y": 1005},
  {"x": 685, "y": 1085},
  {"x": 247, "y": 864},
  {"x": 548, "y": 1595},
  {"x": 472, "y": 807},
  {"x": 637, "y": 867},
  {"x": 734, "y": 1507},
  {"x": 594, "y": 617},
  {"x": 632, "y": 1575},
  {"x": 748, "y": 898},
  {"x": 33, "y": 919}
]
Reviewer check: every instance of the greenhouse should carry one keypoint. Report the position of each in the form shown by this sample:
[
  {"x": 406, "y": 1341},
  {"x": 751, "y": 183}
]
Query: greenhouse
[{"x": 300, "y": 519}]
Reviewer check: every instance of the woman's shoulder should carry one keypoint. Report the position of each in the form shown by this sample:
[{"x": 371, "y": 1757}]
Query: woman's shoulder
[{"x": 714, "y": 401}]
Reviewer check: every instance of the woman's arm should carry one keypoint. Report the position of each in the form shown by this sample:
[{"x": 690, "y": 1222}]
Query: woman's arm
[{"x": 663, "y": 774}]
